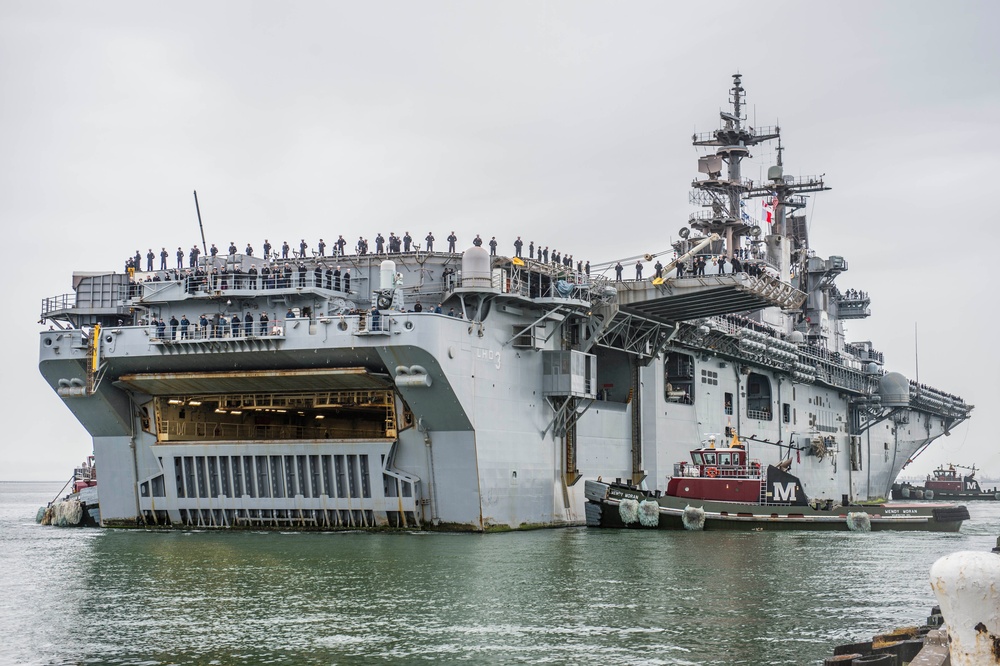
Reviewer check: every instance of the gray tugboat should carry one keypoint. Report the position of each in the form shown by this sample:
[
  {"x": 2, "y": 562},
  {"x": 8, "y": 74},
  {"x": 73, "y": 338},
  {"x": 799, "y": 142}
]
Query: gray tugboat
[{"x": 312, "y": 392}]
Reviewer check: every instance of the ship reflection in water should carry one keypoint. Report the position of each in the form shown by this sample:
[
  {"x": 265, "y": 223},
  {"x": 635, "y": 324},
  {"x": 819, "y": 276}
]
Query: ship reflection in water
[{"x": 549, "y": 596}]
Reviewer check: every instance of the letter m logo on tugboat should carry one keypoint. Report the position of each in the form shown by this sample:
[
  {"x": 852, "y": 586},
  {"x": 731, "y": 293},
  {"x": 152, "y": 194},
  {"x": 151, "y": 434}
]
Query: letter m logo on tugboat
[{"x": 784, "y": 492}]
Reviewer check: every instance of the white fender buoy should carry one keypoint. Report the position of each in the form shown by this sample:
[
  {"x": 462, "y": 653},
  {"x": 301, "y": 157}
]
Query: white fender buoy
[
  {"x": 965, "y": 584},
  {"x": 628, "y": 509},
  {"x": 859, "y": 521},
  {"x": 649, "y": 513},
  {"x": 929, "y": 494},
  {"x": 693, "y": 518}
]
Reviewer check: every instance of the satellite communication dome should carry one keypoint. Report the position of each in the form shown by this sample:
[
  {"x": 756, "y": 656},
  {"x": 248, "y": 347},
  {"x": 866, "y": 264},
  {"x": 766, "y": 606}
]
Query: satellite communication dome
[
  {"x": 895, "y": 390},
  {"x": 476, "y": 269}
]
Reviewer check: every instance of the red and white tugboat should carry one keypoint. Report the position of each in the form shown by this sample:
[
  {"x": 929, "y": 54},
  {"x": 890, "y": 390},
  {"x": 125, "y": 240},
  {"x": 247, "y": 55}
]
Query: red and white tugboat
[
  {"x": 724, "y": 488},
  {"x": 947, "y": 483}
]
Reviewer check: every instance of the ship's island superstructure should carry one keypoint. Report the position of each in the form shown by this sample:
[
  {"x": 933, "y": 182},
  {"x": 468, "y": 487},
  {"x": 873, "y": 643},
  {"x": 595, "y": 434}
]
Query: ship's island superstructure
[{"x": 345, "y": 408}]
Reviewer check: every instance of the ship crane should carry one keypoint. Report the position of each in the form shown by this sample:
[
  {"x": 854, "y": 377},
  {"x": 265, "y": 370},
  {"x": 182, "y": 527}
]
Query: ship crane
[
  {"x": 649, "y": 257},
  {"x": 645, "y": 257}
]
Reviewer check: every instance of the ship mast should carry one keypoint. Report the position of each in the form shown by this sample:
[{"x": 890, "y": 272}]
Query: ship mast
[{"x": 722, "y": 196}]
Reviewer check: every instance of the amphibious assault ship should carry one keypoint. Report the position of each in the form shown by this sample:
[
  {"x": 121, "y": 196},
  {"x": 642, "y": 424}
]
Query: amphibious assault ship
[{"x": 345, "y": 408}]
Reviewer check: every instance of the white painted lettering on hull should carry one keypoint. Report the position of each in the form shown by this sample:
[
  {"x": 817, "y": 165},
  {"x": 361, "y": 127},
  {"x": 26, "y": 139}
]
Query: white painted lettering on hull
[{"x": 488, "y": 355}]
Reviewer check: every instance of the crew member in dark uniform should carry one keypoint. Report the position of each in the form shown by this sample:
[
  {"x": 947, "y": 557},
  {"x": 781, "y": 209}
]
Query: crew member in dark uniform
[
  {"x": 407, "y": 241},
  {"x": 493, "y": 246},
  {"x": 638, "y": 270},
  {"x": 180, "y": 258},
  {"x": 321, "y": 247},
  {"x": 284, "y": 250},
  {"x": 518, "y": 244},
  {"x": 163, "y": 259},
  {"x": 477, "y": 241},
  {"x": 149, "y": 260},
  {"x": 267, "y": 249},
  {"x": 430, "y": 241},
  {"x": 452, "y": 239},
  {"x": 618, "y": 271}
]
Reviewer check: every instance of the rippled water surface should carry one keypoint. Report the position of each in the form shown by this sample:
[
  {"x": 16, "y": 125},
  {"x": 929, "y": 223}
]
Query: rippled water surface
[{"x": 93, "y": 596}]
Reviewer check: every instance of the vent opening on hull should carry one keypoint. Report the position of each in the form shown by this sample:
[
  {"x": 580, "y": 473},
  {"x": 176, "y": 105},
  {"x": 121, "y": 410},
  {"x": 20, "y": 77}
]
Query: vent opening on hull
[{"x": 304, "y": 490}]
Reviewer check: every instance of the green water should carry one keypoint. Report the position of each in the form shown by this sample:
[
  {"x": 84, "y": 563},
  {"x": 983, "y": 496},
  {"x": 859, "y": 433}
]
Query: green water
[{"x": 569, "y": 596}]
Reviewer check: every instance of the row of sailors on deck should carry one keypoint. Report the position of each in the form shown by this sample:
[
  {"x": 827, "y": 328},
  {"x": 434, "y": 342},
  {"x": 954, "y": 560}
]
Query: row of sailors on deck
[
  {"x": 220, "y": 326},
  {"x": 280, "y": 278},
  {"x": 216, "y": 326},
  {"x": 696, "y": 267},
  {"x": 393, "y": 245}
]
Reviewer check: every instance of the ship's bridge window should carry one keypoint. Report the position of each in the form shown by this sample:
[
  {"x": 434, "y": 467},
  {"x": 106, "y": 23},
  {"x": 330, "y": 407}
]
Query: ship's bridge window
[
  {"x": 696, "y": 457},
  {"x": 758, "y": 397},
  {"x": 709, "y": 458},
  {"x": 724, "y": 459}
]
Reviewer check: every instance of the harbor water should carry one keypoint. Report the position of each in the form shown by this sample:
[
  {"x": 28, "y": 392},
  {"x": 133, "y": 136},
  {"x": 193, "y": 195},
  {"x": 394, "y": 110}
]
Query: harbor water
[{"x": 561, "y": 596}]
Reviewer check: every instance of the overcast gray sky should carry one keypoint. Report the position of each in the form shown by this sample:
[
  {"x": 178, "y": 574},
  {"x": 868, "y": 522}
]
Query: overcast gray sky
[{"x": 568, "y": 123}]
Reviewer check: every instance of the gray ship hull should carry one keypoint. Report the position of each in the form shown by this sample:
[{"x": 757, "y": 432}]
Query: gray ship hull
[{"x": 273, "y": 392}]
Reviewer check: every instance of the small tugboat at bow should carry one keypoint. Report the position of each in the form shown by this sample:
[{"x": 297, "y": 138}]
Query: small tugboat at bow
[{"x": 723, "y": 488}]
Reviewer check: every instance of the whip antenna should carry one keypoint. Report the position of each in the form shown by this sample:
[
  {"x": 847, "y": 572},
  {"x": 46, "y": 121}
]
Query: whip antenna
[{"x": 204, "y": 246}]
